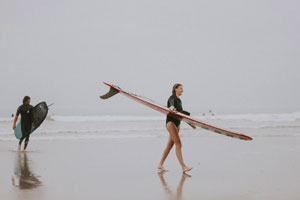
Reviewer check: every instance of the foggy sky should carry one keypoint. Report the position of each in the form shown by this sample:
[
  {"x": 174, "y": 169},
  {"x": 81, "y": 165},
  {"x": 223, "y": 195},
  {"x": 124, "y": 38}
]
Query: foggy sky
[{"x": 231, "y": 56}]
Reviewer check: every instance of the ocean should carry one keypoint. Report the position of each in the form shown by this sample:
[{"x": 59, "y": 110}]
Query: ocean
[{"x": 66, "y": 127}]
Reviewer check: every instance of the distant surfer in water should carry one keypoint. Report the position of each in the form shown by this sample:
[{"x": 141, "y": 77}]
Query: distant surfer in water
[
  {"x": 26, "y": 111},
  {"x": 173, "y": 127}
]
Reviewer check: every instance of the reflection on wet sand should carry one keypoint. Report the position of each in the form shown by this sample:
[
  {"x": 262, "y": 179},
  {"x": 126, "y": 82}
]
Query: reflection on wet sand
[
  {"x": 23, "y": 177},
  {"x": 168, "y": 191}
]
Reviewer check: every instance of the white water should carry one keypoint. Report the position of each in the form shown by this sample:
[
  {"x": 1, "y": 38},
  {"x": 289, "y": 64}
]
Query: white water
[{"x": 101, "y": 127}]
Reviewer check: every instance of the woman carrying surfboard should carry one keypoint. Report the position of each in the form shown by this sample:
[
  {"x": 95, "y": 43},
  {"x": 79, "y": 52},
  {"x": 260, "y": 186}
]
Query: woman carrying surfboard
[
  {"x": 26, "y": 111},
  {"x": 173, "y": 127},
  {"x": 175, "y": 114}
]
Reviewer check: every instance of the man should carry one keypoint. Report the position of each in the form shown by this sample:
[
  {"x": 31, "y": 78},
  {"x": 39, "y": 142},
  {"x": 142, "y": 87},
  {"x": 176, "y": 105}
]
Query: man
[{"x": 26, "y": 111}]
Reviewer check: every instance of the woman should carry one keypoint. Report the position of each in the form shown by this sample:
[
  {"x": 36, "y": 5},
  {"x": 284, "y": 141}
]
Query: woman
[
  {"x": 26, "y": 121},
  {"x": 173, "y": 127}
]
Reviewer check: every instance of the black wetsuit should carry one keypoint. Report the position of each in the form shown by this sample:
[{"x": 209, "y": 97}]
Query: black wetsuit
[
  {"x": 176, "y": 102},
  {"x": 26, "y": 112}
]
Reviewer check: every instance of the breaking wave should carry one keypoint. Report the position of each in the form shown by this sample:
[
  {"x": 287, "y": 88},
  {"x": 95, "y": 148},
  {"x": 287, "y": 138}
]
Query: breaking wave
[{"x": 261, "y": 117}]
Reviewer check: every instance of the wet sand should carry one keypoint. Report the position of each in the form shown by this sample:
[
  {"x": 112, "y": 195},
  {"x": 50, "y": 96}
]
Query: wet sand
[{"x": 223, "y": 168}]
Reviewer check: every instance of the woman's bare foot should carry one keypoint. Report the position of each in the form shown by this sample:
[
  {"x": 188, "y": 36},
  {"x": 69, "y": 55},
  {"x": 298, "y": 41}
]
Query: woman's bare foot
[
  {"x": 186, "y": 169},
  {"x": 161, "y": 168}
]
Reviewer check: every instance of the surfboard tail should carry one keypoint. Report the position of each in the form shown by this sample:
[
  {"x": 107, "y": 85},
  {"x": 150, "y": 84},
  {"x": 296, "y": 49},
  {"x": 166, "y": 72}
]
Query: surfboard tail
[{"x": 112, "y": 91}]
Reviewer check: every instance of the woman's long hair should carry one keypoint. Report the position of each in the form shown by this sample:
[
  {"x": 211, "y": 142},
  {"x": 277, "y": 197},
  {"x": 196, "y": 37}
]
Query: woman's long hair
[{"x": 175, "y": 86}]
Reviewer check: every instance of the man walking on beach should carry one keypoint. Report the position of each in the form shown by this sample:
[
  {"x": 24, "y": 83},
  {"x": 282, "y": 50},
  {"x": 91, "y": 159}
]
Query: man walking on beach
[{"x": 26, "y": 121}]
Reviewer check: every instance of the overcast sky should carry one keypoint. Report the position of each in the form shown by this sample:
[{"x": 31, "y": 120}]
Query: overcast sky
[{"x": 231, "y": 56}]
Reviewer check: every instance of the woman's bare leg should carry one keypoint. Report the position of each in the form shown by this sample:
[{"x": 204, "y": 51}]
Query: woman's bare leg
[
  {"x": 165, "y": 154},
  {"x": 176, "y": 139}
]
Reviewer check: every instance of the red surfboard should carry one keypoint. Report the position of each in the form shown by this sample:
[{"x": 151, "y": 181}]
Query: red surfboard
[{"x": 192, "y": 121}]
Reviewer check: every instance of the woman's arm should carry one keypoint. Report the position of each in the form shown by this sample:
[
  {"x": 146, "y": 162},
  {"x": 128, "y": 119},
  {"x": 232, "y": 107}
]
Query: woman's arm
[
  {"x": 185, "y": 112},
  {"x": 171, "y": 102}
]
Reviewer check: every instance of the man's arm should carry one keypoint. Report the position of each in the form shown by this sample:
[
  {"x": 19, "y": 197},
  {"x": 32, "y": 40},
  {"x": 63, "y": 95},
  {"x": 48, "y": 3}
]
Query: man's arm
[
  {"x": 16, "y": 118},
  {"x": 15, "y": 121}
]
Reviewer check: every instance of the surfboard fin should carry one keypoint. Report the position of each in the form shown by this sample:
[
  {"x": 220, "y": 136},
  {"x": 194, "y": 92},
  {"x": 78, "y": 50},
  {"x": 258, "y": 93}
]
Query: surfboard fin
[
  {"x": 192, "y": 125},
  {"x": 110, "y": 93}
]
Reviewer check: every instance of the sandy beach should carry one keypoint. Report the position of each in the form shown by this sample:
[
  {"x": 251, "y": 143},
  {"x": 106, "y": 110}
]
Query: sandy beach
[{"x": 223, "y": 168}]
